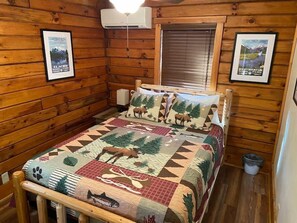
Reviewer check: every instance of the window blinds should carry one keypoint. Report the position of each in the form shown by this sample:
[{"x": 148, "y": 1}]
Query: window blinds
[{"x": 187, "y": 57}]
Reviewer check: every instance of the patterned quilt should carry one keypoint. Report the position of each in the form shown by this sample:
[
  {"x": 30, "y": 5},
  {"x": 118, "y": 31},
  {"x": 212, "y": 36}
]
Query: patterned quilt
[{"x": 148, "y": 172}]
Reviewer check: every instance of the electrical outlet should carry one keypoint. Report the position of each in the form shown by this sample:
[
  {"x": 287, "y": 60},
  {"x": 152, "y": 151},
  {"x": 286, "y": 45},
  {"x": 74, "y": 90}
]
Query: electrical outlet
[{"x": 5, "y": 177}]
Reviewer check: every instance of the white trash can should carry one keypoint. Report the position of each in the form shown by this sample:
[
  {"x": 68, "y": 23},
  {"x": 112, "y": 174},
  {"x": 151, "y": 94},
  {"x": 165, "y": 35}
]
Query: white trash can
[{"x": 252, "y": 163}]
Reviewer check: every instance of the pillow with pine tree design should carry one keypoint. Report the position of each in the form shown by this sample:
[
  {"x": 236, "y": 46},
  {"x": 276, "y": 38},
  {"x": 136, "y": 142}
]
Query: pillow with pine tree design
[
  {"x": 190, "y": 114},
  {"x": 150, "y": 107}
]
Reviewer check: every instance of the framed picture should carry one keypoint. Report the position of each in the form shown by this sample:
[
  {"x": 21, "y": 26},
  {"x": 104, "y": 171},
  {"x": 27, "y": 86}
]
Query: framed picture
[
  {"x": 58, "y": 54},
  {"x": 295, "y": 93},
  {"x": 252, "y": 57}
]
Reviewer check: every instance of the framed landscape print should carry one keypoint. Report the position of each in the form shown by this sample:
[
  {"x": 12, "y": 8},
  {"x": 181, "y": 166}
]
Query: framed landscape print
[
  {"x": 58, "y": 54},
  {"x": 252, "y": 57},
  {"x": 295, "y": 93}
]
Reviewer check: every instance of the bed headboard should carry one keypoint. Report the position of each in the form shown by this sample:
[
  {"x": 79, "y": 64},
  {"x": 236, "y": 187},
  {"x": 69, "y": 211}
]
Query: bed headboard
[{"x": 225, "y": 97}]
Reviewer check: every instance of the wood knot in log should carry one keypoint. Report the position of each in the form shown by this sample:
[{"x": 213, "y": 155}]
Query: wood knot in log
[
  {"x": 234, "y": 8},
  {"x": 251, "y": 20},
  {"x": 145, "y": 73},
  {"x": 11, "y": 2},
  {"x": 143, "y": 56},
  {"x": 55, "y": 17},
  {"x": 159, "y": 13}
]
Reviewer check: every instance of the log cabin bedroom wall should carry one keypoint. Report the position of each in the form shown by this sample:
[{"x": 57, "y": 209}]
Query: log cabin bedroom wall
[
  {"x": 256, "y": 107},
  {"x": 36, "y": 114}
]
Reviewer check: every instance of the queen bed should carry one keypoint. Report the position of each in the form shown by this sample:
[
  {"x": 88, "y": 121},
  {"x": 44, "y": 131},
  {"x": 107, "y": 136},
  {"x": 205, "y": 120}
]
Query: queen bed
[{"x": 157, "y": 162}]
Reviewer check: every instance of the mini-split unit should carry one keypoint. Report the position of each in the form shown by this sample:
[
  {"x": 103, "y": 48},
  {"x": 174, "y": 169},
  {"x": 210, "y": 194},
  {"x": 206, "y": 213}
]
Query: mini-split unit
[{"x": 112, "y": 19}]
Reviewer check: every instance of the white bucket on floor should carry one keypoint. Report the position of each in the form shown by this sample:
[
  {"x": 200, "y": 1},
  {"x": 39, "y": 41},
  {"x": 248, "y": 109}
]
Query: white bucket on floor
[
  {"x": 252, "y": 163},
  {"x": 251, "y": 169}
]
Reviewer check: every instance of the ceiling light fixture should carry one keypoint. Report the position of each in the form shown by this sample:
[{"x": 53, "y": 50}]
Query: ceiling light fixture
[{"x": 128, "y": 6}]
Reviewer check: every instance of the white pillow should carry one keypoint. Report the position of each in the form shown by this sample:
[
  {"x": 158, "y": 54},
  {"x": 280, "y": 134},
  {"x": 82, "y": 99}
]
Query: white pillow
[
  {"x": 144, "y": 91},
  {"x": 207, "y": 100}
]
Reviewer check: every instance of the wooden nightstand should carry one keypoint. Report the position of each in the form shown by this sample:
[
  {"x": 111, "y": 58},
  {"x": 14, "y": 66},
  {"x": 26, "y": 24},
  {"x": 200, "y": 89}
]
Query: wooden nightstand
[{"x": 103, "y": 116}]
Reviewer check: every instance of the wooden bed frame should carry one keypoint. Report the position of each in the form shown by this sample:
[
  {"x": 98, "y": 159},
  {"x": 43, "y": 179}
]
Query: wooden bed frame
[{"x": 87, "y": 210}]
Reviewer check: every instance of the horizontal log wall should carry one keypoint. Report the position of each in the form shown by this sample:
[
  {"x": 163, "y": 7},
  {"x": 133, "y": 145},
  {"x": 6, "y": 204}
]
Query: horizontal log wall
[
  {"x": 256, "y": 107},
  {"x": 36, "y": 114}
]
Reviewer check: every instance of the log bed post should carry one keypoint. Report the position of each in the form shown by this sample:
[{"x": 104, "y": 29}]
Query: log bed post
[
  {"x": 227, "y": 113},
  {"x": 83, "y": 218},
  {"x": 42, "y": 209},
  {"x": 61, "y": 213},
  {"x": 137, "y": 84},
  {"x": 20, "y": 197}
]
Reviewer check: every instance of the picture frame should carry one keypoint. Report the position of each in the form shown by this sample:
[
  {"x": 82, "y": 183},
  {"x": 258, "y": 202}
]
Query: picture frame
[
  {"x": 295, "y": 93},
  {"x": 58, "y": 54},
  {"x": 252, "y": 57}
]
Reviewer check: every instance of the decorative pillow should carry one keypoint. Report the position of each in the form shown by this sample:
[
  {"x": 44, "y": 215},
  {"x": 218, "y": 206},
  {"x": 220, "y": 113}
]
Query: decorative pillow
[
  {"x": 191, "y": 114},
  {"x": 150, "y": 107},
  {"x": 169, "y": 99},
  {"x": 212, "y": 100}
]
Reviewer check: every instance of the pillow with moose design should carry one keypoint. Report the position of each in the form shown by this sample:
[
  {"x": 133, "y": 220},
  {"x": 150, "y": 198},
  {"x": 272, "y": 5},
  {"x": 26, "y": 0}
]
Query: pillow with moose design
[
  {"x": 190, "y": 114},
  {"x": 150, "y": 107}
]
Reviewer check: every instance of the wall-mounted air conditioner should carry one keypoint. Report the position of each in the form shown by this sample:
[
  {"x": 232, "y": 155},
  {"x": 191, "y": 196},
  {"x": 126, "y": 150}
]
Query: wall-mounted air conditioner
[{"x": 112, "y": 19}]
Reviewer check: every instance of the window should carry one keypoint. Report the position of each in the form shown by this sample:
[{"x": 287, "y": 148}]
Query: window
[
  {"x": 187, "y": 51},
  {"x": 186, "y": 56}
]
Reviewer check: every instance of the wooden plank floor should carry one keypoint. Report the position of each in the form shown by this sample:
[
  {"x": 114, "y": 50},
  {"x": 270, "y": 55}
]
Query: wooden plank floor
[{"x": 239, "y": 198}]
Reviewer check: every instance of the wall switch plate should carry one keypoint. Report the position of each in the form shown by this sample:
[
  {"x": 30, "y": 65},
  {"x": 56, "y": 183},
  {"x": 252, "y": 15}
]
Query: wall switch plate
[{"x": 5, "y": 177}]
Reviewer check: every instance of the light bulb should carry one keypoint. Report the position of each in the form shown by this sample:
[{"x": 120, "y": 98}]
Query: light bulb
[{"x": 127, "y": 6}]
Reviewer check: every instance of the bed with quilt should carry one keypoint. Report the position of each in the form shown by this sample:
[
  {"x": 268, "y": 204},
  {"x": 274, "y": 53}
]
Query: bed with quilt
[{"x": 150, "y": 164}]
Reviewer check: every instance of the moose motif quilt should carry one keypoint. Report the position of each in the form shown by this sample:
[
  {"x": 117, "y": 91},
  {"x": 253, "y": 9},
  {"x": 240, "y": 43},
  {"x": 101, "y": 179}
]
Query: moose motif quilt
[{"x": 145, "y": 171}]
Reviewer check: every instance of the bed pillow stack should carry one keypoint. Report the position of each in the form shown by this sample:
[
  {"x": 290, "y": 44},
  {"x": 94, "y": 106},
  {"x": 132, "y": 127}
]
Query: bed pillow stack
[
  {"x": 192, "y": 111},
  {"x": 146, "y": 106}
]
